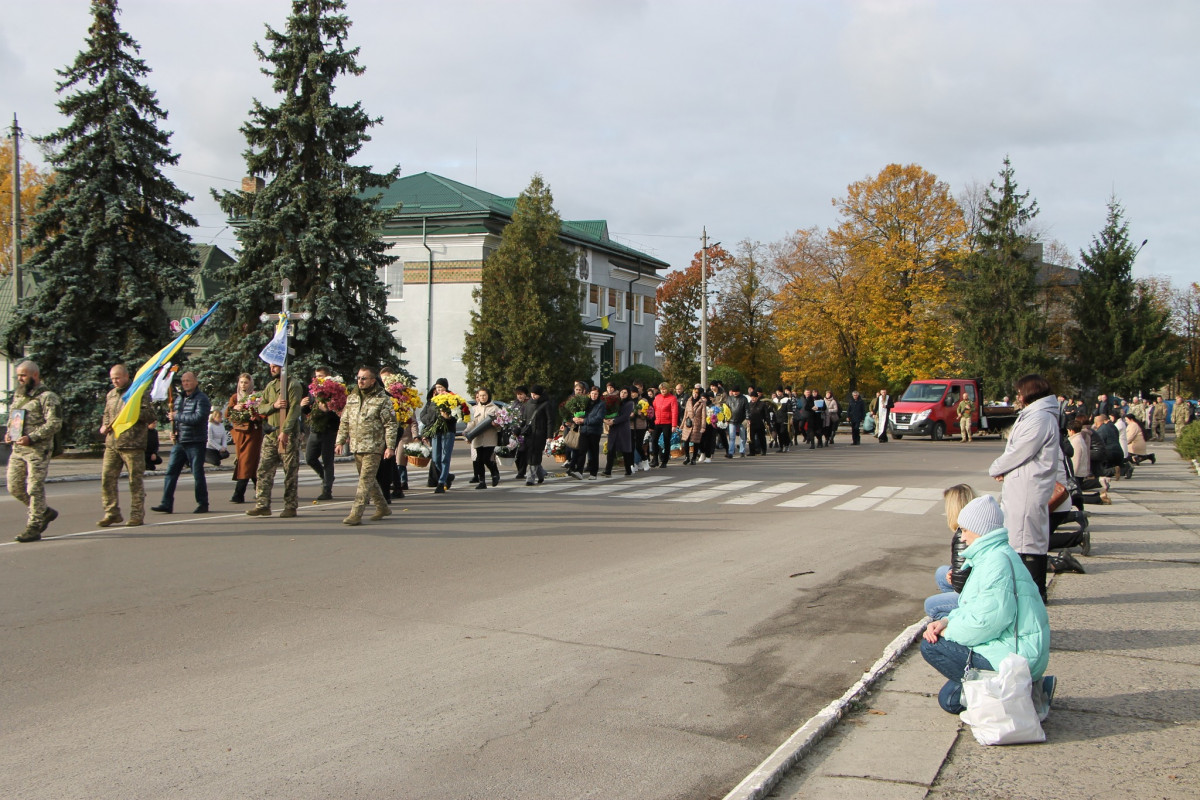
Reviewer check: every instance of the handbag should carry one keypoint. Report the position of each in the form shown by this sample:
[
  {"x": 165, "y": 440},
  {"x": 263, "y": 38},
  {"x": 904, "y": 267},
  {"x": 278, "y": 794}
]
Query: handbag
[
  {"x": 1060, "y": 494},
  {"x": 572, "y": 439},
  {"x": 1000, "y": 705}
]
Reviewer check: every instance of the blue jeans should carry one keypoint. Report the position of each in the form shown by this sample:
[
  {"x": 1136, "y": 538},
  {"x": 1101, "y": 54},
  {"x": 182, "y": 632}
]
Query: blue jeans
[
  {"x": 733, "y": 431},
  {"x": 443, "y": 447},
  {"x": 181, "y": 454},
  {"x": 951, "y": 659},
  {"x": 941, "y": 604}
]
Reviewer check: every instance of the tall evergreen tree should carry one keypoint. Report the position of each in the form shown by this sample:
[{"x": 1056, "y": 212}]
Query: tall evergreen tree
[
  {"x": 526, "y": 327},
  {"x": 110, "y": 249},
  {"x": 312, "y": 221},
  {"x": 1003, "y": 329},
  {"x": 1122, "y": 343}
]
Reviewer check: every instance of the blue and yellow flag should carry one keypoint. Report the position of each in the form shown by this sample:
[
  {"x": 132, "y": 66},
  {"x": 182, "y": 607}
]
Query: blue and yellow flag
[{"x": 145, "y": 376}]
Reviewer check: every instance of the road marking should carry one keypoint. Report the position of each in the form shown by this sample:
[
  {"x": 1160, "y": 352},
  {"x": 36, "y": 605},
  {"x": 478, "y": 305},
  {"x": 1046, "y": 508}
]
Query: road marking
[
  {"x": 902, "y": 506},
  {"x": 808, "y": 501},
  {"x": 716, "y": 491},
  {"x": 920, "y": 494},
  {"x": 858, "y": 504},
  {"x": 836, "y": 489},
  {"x": 765, "y": 493},
  {"x": 881, "y": 491}
]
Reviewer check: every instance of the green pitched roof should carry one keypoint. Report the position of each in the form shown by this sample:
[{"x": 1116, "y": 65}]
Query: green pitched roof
[{"x": 458, "y": 208}]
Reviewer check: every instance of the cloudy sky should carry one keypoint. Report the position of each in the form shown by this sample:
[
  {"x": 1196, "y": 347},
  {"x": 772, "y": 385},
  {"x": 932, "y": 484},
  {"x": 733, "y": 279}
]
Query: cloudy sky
[{"x": 662, "y": 116}]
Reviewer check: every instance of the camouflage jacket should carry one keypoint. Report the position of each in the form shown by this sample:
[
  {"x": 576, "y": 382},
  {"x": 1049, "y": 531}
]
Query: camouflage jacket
[
  {"x": 368, "y": 421},
  {"x": 965, "y": 407},
  {"x": 42, "y": 417},
  {"x": 270, "y": 393},
  {"x": 135, "y": 437}
]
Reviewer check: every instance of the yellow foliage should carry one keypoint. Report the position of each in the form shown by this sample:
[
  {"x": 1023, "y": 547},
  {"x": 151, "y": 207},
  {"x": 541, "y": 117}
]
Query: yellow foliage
[{"x": 32, "y": 184}]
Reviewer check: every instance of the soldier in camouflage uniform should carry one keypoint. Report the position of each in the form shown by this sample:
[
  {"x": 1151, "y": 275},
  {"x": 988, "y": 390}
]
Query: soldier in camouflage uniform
[
  {"x": 128, "y": 449},
  {"x": 37, "y": 412},
  {"x": 280, "y": 446},
  {"x": 964, "y": 408},
  {"x": 368, "y": 424}
]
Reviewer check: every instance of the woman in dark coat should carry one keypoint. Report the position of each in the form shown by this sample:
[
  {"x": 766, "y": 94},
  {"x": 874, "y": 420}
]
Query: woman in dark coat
[
  {"x": 620, "y": 438},
  {"x": 590, "y": 432}
]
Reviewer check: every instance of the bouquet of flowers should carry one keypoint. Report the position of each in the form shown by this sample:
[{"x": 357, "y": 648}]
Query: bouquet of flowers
[
  {"x": 575, "y": 406},
  {"x": 417, "y": 450},
  {"x": 331, "y": 391},
  {"x": 249, "y": 413},
  {"x": 612, "y": 405},
  {"x": 511, "y": 449},
  {"x": 555, "y": 447},
  {"x": 405, "y": 399},
  {"x": 504, "y": 419},
  {"x": 719, "y": 416},
  {"x": 448, "y": 405}
]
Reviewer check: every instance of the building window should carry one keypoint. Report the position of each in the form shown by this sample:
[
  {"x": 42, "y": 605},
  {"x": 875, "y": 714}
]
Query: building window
[
  {"x": 650, "y": 307},
  {"x": 637, "y": 310},
  {"x": 612, "y": 301},
  {"x": 619, "y": 361},
  {"x": 637, "y": 356},
  {"x": 583, "y": 299},
  {"x": 593, "y": 300},
  {"x": 623, "y": 303},
  {"x": 392, "y": 278}
]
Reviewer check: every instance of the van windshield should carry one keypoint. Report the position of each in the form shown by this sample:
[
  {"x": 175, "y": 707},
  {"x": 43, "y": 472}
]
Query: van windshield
[{"x": 924, "y": 393}]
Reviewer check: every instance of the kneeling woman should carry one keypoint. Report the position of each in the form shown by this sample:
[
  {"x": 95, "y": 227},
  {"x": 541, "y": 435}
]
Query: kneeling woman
[{"x": 999, "y": 611}]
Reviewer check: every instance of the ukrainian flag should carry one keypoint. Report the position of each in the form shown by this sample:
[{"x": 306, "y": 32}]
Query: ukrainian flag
[{"x": 145, "y": 376}]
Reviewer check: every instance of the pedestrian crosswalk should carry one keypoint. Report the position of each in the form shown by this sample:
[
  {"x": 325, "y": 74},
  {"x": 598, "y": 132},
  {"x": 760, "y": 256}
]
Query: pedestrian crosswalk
[{"x": 783, "y": 494}]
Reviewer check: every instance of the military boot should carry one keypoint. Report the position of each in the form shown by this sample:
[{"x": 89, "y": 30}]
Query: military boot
[
  {"x": 287, "y": 512},
  {"x": 353, "y": 519},
  {"x": 30, "y": 534},
  {"x": 381, "y": 512},
  {"x": 110, "y": 519},
  {"x": 259, "y": 511}
]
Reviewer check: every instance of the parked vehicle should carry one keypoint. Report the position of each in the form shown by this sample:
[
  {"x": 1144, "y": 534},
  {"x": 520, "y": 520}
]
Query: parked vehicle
[{"x": 930, "y": 408}]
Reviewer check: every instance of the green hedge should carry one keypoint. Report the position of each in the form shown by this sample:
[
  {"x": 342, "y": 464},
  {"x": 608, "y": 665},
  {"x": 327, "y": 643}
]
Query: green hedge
[{"x": 1187, "y": 441}]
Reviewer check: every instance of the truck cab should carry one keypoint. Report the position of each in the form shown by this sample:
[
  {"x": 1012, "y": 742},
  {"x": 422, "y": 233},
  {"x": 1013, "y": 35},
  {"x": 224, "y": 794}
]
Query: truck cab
[{"x": 930, "y": 408}]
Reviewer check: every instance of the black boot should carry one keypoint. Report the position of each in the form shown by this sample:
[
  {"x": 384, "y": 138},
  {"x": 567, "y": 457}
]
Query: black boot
[
  {"x": 239, "y": 491},
  {"x": 1037, "y": 570}
]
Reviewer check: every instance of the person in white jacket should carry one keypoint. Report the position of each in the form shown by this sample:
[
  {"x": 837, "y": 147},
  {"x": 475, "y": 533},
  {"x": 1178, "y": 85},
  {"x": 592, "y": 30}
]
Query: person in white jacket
[
  {"x": 218, "y": 439},
  {"x": 1029, "y": 468}
]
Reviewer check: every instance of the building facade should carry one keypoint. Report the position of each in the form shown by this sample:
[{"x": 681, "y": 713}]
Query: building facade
[{"x": 442, "y": 233}]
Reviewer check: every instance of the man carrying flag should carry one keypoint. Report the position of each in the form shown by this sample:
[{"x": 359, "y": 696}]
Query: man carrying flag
[
  {"x": 282, "y": 444},
  {"x": 128, "y": 450}
]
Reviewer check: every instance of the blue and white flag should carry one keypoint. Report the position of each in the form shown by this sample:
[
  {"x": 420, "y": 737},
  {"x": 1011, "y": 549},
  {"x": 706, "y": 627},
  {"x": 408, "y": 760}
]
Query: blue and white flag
[{"x": 276, "y": 350}]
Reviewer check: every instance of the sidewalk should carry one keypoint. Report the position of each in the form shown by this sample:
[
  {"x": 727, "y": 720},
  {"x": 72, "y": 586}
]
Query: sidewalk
[{"x": 1126, "y": 650}]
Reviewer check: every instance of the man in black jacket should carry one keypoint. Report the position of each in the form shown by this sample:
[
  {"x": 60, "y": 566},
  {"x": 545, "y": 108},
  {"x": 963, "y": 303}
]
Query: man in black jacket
[
  {"x": 856, "y": 413},
  {"x": 189, "y": 432},
  {"x": 737, "y": 420}
]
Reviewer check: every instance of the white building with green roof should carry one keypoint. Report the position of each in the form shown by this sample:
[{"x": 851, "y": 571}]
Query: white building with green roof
[{"x": 443, "y": 231}]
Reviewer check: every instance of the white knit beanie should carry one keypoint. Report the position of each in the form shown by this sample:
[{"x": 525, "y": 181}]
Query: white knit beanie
[{"x": 981, "y": 516}]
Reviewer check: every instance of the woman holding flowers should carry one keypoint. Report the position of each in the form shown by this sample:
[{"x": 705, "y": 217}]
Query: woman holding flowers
[
  {"x": 440, "y": 417},
  {"x": 405, "y": 402},
  {"x": 638, "y": 425},
  {"x": 591, "y": 428},
  {"x": 484, "y": 413},
  {"x": 247, "y": 435},
  {"x": 620, "y": 439},
  {"x": 695, "y": 419}
]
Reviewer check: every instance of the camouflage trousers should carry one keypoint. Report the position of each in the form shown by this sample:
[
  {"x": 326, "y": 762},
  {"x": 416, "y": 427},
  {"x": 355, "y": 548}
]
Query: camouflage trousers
[
  {"x": 368, "y": 485},
  {"x": 27, "y": 467},
  {"x": 134, "y": 462},
  {"x": 269, "y": 462}
]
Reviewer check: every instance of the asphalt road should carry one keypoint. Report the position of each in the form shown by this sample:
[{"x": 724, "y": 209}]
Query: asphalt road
[{"x": 651, "y": 637}]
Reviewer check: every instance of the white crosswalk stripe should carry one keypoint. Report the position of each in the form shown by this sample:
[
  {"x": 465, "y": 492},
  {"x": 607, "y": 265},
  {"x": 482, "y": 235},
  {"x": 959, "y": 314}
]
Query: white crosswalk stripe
[{"x": 842, "y": 496}]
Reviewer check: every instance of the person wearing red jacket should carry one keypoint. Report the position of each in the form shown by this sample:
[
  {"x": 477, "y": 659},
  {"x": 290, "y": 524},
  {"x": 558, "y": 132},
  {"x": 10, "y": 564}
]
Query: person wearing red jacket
[{"x": 666, "y": 422}]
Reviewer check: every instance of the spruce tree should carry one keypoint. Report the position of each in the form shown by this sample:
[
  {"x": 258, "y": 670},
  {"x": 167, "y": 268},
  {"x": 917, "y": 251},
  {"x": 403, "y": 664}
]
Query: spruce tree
[
  {"x": 111, "y": 252},
  {"x": 526, "y": 328},
  {"x": 1003, "y": 331},
  {"x": 315, "y": 221},
  {"x": 1123, "y": 342}
]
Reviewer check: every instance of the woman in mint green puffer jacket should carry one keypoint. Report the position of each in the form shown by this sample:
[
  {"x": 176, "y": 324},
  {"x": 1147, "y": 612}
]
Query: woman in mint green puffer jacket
[{"x": 992, "y": 619}]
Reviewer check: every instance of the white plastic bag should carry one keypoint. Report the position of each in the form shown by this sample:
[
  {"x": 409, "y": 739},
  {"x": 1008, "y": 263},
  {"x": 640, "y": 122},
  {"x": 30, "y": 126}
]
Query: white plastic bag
[{"x": 1000, "y": 705}]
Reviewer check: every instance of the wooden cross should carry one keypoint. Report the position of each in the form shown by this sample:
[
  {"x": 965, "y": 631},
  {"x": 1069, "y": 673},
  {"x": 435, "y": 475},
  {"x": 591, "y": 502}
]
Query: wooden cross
[{"x": 286, "y": 314}]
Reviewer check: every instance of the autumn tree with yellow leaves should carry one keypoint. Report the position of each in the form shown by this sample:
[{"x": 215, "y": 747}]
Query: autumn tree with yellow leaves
[
  {"x": 33, "y": 181},
  {"x": 904, "y": 235}
]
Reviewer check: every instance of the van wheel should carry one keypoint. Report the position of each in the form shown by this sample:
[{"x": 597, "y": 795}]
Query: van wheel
[{"x": 939, "y": 431}]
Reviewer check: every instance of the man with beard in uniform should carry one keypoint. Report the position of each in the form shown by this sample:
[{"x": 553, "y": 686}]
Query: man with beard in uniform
[{"x": 34, "y": 418}]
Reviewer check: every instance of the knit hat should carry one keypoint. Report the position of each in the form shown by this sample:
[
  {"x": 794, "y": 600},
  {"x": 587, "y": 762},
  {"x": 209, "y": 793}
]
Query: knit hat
[
  {"x": 442, "y": 382},
  {"x": 981, "y": 516},
  {"x": 538, "y": 389}
]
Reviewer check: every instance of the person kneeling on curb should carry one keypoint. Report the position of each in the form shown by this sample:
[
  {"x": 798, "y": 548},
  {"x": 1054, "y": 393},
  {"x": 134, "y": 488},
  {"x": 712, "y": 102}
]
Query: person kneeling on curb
[{"x": 999, "y": 611}]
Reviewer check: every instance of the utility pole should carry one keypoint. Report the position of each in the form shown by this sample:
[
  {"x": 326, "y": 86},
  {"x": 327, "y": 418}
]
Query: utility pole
[
  {"x": 16, "y": 213},
  {"x": 704, "y": 308}
]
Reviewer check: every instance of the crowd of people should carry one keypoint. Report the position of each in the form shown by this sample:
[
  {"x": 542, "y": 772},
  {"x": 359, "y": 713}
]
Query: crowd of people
[{"x": 634, "y": 428}]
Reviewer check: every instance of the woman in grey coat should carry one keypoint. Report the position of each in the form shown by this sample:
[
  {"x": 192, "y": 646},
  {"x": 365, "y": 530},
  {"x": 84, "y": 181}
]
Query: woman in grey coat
[{"x": 1029, "y": 467}]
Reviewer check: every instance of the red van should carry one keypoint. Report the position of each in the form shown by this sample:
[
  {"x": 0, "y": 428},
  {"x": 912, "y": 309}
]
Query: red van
[{"x": 930, "y": 408}]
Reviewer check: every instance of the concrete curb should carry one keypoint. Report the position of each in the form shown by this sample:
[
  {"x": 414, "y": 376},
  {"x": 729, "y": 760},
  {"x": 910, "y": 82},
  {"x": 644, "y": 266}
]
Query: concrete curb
[{"x": 766, "y": 775}]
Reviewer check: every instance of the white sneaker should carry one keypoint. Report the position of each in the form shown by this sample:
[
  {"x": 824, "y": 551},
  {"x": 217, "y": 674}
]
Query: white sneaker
[{"x": 591, "y": 477}]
